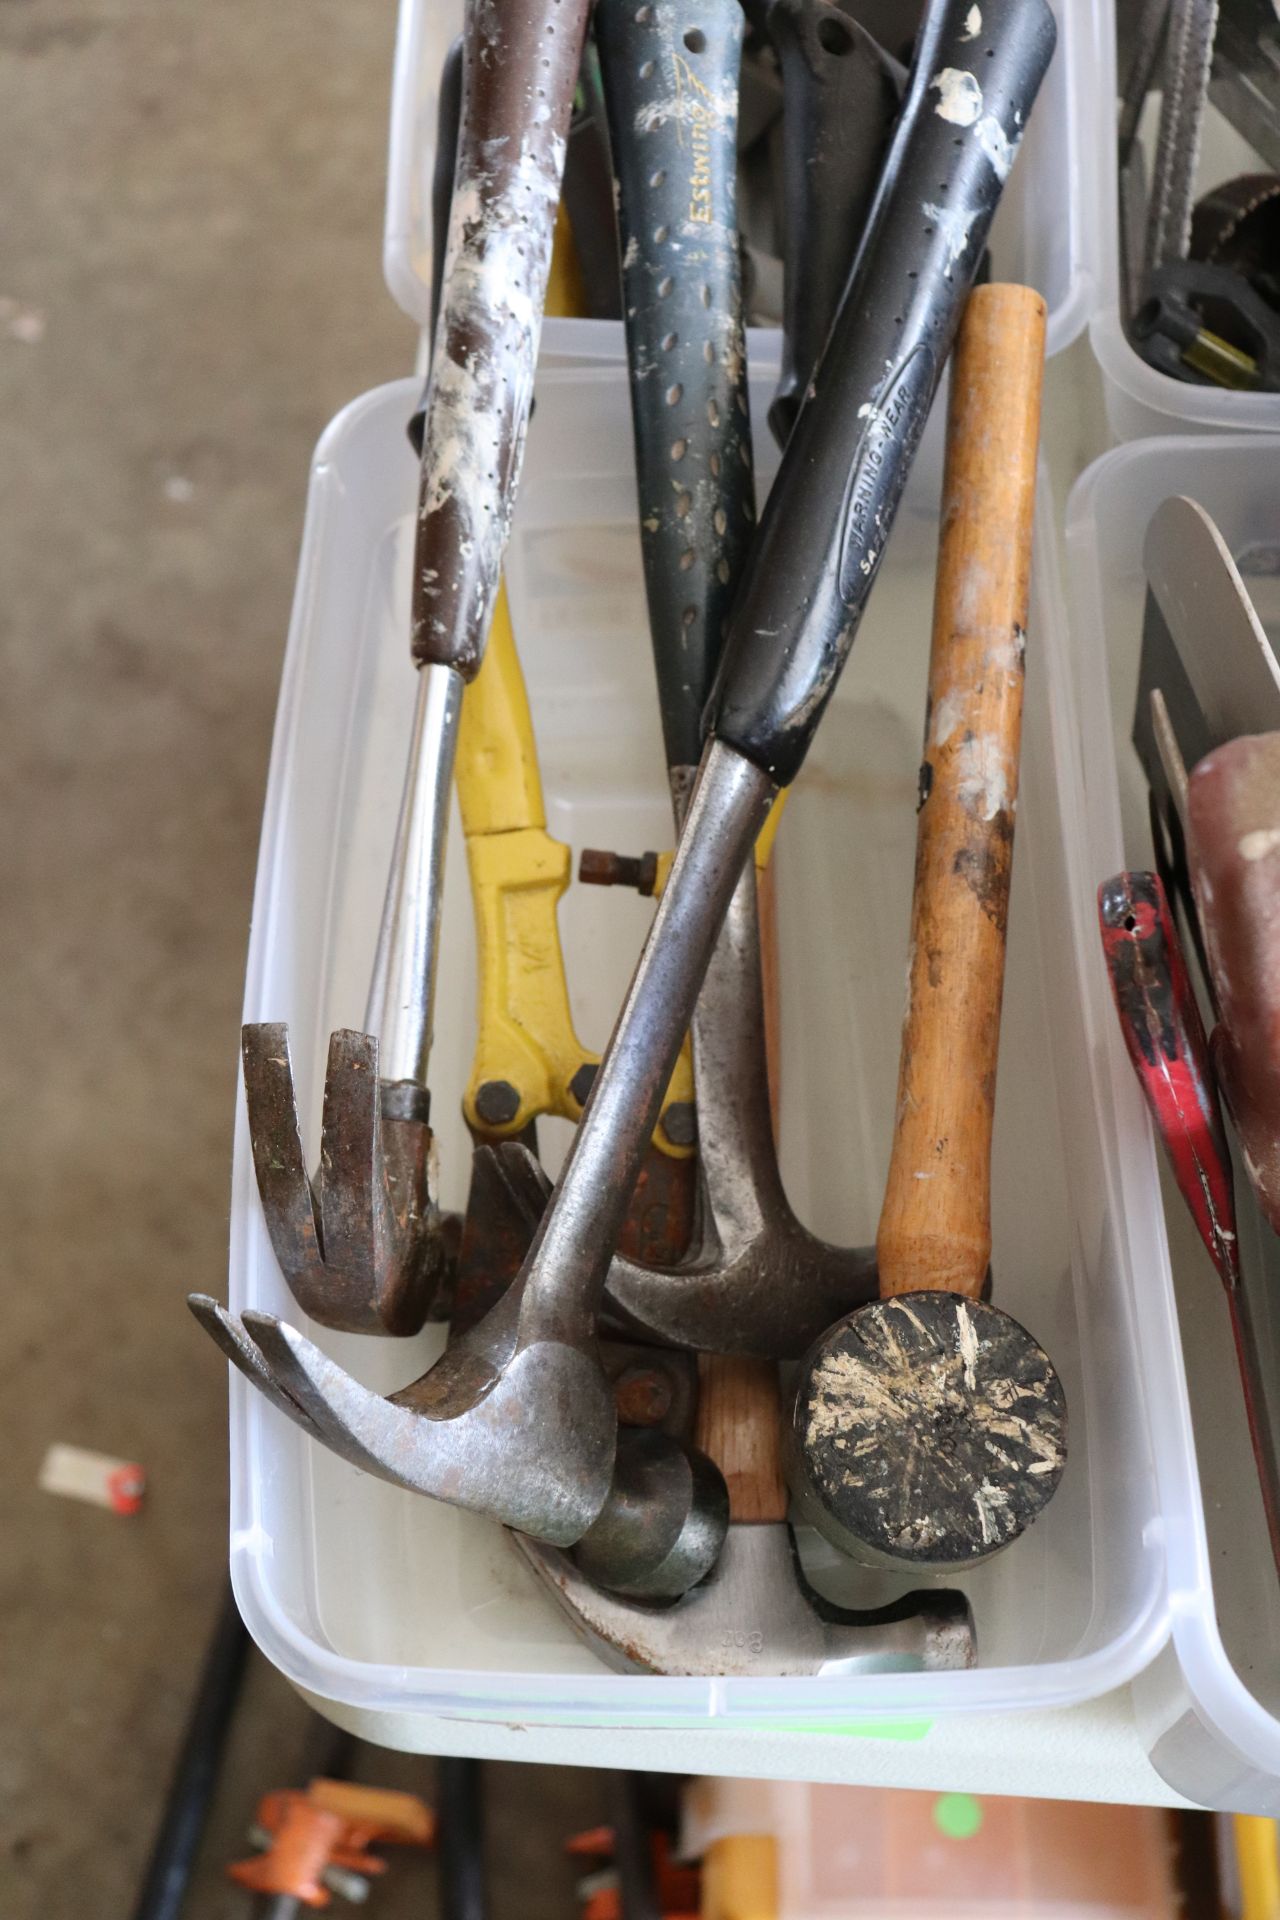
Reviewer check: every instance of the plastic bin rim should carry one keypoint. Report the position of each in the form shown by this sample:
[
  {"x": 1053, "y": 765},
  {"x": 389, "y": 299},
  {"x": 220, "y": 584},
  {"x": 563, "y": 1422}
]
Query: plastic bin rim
[
  {"x": 388, "y": 1687},
  {"x": 1081, "y": 48}
]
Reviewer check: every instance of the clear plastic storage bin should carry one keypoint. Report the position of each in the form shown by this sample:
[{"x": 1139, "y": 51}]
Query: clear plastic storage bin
[
  {"x": 1045, "y": 232},
  {"x": 1208, "y": 1706},
  {"x": 1141, "y": 400},
  {"x": 366, "y": 1595}
]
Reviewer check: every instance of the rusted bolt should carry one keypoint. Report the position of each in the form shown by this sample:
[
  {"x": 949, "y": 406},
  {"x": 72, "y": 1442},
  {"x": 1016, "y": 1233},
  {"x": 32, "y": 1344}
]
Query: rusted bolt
[
  {"x": 680, "y": 1123},
  {"x": 497, "y": 1102},
  {"x": 642, "y": 1396},
  {"x": 596, "y": 868},
  {"x": 582, "y": 1082}
]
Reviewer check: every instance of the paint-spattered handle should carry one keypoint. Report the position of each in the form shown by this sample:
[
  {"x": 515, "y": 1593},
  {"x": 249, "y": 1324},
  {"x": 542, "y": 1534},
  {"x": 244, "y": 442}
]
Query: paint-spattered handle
[
  {"x": 448, "y": 117},
  {"x": 841, "y": 94},
  {"x": 823, "y": 532},
  {"x": 935, "y": 1226},
  {"x": 739, "y": 1408},
  {"x": 1165, "y": 1040},
  {"x": 520, "y": 66},
  {"x": 670, "y": 76}
]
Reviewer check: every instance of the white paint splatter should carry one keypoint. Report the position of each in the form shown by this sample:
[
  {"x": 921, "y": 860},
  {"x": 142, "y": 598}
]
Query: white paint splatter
[
  {"x": 947, "y": 716},
  {"x": 1007, "y": 656},
  {"x": 953, "y": 224},
  {"x": 972, "y": 24},
  {"x": 959, "y": 96},
  {"x": 496, "y": 264},
  {"x": 982, "y": 787},
  {"x": 1000, "y": 151},
  {"x": 632, "y": 253},
  {"x": 968, "y": 1347},
  {"x": 1257, "y": 845},
  {"x": 993, "y": 1508}
]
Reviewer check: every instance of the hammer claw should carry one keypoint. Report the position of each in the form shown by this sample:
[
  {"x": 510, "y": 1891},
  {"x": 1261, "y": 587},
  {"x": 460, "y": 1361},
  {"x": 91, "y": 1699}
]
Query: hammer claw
[
  {"x": 278, "y": 1162},
  {"x": 300, "y": 1373},
  {"x": 529, "y": 1441},
  {"x": 350, "y": 1153},
  {"x": 757, "y": 1281},
  {"x": 362, "y": 1247},
  {"x": 227, "y": 1334},
  {"x": 526, "y": 1182}
]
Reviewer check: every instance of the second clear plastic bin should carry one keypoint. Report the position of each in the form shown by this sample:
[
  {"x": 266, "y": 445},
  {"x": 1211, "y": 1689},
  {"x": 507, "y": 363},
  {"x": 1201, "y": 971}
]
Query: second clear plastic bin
[
  {"x": 1045, "y": 232},
  {"x": 1209, "y": 1706},
  {"x": 366, "y": 1595},
  {"x": 1141, "y": 400}
]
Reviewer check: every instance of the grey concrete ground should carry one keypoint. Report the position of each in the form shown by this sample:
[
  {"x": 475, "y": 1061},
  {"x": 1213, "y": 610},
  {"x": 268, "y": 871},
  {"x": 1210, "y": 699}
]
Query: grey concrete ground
[{"x": 189, "y": 287}]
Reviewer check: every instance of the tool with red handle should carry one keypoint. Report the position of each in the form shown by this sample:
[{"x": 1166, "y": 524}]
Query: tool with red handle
[{"x": 1165, "y": 1040}]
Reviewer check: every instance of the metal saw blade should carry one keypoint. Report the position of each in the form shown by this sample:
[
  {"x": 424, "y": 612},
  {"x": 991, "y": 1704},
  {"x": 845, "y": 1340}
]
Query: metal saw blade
[{"x": 1203, "y": 645}]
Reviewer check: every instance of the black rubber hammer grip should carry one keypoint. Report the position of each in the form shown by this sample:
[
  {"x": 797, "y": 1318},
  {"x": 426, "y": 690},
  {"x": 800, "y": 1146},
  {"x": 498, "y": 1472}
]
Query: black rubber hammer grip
[
  {"x": 824, "y": 529},
  {"x": 840, "y": 98},
  {"x": 670, "y": 74}
]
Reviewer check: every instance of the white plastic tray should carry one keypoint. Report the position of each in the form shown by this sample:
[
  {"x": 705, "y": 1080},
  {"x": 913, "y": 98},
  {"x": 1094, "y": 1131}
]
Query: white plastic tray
[
  {"x": 1045, "y": 232},
  {"x": 1140, "y": 400},
  {"x": 390, "y": 1604},
  {"x": 1207, "y": 1709}
]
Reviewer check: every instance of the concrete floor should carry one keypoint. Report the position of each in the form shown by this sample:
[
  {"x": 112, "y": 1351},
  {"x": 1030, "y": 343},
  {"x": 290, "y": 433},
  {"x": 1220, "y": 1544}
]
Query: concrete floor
[{"x": 189, "y": 287}]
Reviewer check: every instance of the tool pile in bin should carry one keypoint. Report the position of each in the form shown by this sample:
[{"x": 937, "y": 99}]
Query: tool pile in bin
[
  {"x": 1200, "y": 270},
  {"x": 610, "y": 1390}
]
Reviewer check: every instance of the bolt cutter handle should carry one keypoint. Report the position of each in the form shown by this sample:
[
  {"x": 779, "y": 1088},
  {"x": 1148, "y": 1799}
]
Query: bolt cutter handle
[{"x": 528, "y": 1059}]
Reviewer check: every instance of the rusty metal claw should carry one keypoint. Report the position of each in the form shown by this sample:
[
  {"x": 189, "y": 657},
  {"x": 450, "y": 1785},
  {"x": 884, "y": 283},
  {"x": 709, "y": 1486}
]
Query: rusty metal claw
[
  {"x": 363, "y": 1247},
  {"x": 515, "y": 1420}
]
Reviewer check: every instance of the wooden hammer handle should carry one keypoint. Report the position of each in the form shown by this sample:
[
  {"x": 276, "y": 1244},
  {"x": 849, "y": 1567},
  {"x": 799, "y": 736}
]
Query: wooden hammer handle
[
  {"x": 935, "y": 1227},
  {"x": 739, "y": 1410}
]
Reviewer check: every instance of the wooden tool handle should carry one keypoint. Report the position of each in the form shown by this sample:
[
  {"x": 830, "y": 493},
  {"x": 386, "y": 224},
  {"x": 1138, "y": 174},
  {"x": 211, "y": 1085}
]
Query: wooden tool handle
[
  {"x": 738, "y": 1426},
  {"x": 739, "y": 1409},
  {"x": 935, "y": 1228}
]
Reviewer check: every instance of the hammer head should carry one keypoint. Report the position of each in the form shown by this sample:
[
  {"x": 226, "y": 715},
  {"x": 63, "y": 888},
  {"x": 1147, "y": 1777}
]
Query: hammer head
[
  {"x": 767, "y": 1289},
  {"x": 927, "y": 1432},
  {"x": 757, "y": 1283},
  {"x": 663, "y": 1526},
  {"x": 757, "y": 1615},
  {"x": 506, "y": 1423},
  {"x": 364, "y": 1247}
]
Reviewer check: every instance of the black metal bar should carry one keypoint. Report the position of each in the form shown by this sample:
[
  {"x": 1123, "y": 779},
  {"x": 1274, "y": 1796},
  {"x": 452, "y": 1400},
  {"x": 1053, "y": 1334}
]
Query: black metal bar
[
  {"x": 460, "y": 1843},
  {"x": 164, "y": 1886}
]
